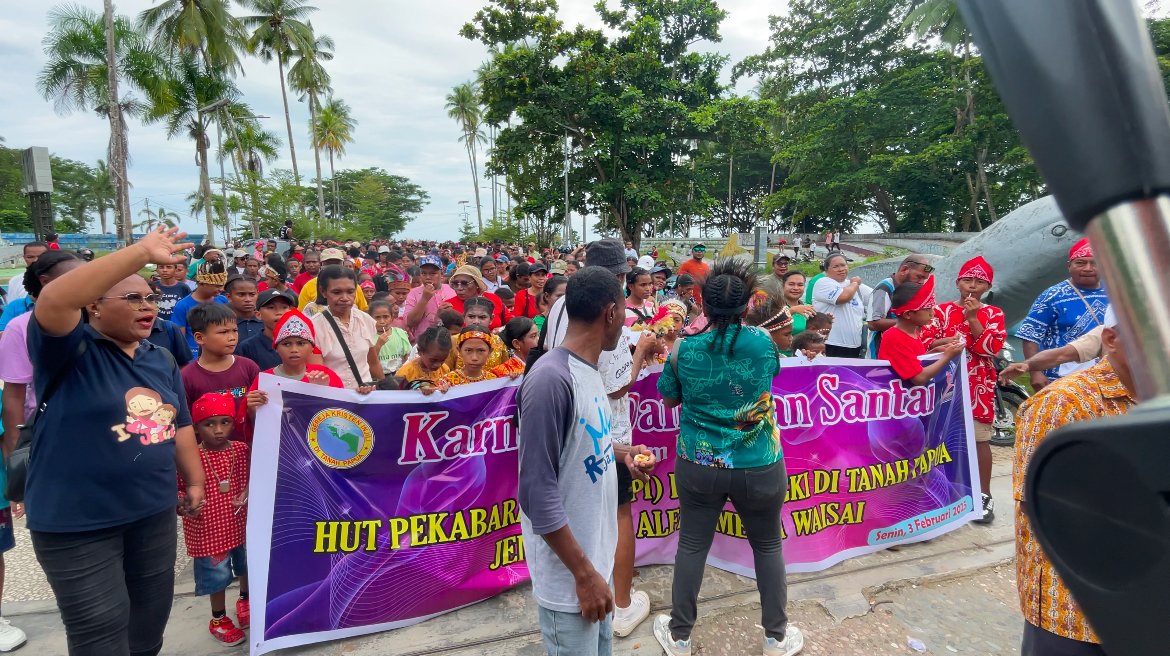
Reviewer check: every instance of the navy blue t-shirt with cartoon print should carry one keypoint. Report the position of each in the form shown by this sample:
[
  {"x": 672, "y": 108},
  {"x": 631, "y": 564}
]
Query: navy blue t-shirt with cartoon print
[{"x": 104, "y": 452}]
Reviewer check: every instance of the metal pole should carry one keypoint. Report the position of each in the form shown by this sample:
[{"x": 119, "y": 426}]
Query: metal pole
[{"x": 568, "y": 220}]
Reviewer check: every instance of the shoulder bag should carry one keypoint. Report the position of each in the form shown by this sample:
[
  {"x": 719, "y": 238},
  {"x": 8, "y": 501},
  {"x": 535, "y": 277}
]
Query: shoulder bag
[
  {"x": 17, "y": 462},
  {"x": 357, "y": 374}
]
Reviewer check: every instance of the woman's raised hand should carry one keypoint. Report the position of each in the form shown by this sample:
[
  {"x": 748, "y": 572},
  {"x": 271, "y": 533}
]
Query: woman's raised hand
[{"x": 162, "y": 245}]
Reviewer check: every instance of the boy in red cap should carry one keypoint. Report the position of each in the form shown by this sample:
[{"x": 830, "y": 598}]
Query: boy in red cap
[
  {"x": 983, "y": 332},
  {"x": 913, "y": 304},
  {"x": 215, "y": 535}
]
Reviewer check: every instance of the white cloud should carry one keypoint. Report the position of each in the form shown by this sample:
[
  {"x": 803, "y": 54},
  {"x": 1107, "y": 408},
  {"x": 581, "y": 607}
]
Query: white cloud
[{"x": 394, "y": 64}]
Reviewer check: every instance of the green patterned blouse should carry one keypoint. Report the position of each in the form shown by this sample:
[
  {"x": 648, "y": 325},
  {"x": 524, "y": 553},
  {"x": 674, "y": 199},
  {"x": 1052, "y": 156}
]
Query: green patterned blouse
[{"x": 728, "y": 416}]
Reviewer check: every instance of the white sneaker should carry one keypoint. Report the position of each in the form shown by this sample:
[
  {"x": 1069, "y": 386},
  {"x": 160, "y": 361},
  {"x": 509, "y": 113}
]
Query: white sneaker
[
  {"x": 625, "y": 619},
  {"x": 669, "y": 644},
  {"x": 792, "y": 643},
  {"x": 11, "y": 637}
]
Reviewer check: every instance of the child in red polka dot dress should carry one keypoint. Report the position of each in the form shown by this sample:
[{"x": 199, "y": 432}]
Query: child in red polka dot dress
[{"x": 215, "y": 532}]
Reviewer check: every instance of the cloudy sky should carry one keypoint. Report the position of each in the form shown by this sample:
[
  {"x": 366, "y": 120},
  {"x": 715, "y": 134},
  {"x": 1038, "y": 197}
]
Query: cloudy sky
[{"x": 395, "y": 62}]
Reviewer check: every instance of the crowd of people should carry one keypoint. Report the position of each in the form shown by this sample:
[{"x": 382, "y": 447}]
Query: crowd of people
[{"x": 140, "y": 371}]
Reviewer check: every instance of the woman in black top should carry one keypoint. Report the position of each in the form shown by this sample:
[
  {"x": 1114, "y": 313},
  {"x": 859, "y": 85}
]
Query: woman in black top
[{"x": 101, "y": 480}]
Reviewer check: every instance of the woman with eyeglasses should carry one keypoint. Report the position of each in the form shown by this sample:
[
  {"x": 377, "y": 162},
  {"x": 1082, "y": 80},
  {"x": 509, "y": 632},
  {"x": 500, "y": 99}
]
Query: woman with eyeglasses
[
  {"x": 840, "y": 295},
  {"x": 114, "y": 428},
  {"x": 468, "y": 284}
]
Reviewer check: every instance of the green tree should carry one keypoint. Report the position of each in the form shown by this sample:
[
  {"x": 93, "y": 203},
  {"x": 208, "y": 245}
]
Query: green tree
[
  {"x": 77, "y": 76},
  {"x": 280, "y": 28},
  {"x": 331, "y": 132},
  {"x": 72, "y": 194},
  {"x": 463, "y": 107},
  {"x": 307, "y": 76},
  {"x": 204, "y": 29},
  {"x": 874, "y": 127},
  {"x": 374, "y": 202},
  {"x": 190, "y": 87},
  {"x": 625, "y": 96},
  {"x": 14, "y": 210},
  {"x": 103, "y": 192},
  {"x": 251, "y": 147}
]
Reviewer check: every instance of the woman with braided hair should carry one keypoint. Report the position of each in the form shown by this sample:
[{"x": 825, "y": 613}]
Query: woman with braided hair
[{"x": 728, "y": 449}]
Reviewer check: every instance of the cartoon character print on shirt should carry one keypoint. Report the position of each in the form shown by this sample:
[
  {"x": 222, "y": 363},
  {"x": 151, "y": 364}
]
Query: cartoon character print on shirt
[
  {"x": 147, "y": 417},
  {"x": 603, "y": 457}
]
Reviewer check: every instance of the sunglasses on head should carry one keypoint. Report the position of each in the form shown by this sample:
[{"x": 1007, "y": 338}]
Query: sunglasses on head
[{"x": 926, "y": 268}]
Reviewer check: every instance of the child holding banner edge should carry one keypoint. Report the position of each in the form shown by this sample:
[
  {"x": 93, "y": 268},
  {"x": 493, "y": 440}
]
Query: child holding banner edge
[{"x": 913, "y": 304}]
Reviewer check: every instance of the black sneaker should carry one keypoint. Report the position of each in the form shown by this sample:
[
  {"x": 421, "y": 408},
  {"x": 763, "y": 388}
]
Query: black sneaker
[{"x": 988, "y": 511}]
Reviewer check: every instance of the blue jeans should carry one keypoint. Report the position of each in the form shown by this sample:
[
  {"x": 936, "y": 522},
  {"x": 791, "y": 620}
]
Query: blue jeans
[
  {"x": 568, "y": 633},
  {"x": 212, "y": 578}
]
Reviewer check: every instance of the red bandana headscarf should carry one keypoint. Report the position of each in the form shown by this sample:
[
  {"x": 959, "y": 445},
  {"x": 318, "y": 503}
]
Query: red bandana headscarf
[
  {"x": 977, "y": 268},
  {"x": 924, "y": 299},
  {"x": 213, "y": 404},
  {"x": 1081, "y": 250}
]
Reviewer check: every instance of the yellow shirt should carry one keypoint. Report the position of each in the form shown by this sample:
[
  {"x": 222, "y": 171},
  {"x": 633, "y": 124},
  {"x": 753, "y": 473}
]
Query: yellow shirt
[
  {"x": 309, "y": 294},
  {"x": 1095, "y": 392},
  {"x": 412, "y": 371}
]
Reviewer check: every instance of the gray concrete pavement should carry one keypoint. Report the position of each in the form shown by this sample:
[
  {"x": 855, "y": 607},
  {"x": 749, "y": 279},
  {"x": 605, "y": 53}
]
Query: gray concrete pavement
[{"x": 956, "y": 592}]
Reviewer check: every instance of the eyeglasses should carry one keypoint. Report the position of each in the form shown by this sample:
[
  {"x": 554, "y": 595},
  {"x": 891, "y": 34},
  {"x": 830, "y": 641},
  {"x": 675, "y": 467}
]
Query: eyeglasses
[
  {"x": 460, "y": 284},
  {"x": 926, "y": 268},
  {"x": 137, "y": 300}
]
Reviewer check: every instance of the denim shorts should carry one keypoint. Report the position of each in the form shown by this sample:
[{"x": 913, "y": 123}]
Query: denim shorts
[
  {"x": 7, "y": 538},
  {"x": 212, "y": 578}
]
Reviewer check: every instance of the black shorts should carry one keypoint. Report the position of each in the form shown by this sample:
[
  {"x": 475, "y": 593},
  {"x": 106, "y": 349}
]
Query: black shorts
[{"x": 625, "y": 484}]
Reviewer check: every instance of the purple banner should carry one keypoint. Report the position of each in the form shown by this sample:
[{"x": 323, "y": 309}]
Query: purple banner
[
  {"x": 386, "y": 510},
  {"x": 374, "y": 512},
  {"x": 871, "y": 462}
]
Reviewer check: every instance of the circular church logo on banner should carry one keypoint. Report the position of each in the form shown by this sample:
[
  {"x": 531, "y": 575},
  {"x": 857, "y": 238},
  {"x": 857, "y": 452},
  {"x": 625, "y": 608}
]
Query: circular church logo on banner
[{"x": 339, "y": 438}]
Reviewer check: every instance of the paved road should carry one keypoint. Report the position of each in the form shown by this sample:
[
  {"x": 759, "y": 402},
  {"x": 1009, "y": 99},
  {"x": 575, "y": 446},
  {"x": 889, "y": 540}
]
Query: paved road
[{"x": 955, "y": 594}]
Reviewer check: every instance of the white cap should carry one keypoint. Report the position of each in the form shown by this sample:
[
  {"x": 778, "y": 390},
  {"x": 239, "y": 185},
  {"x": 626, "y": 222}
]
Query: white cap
[{"x": 1110, "y": 318}]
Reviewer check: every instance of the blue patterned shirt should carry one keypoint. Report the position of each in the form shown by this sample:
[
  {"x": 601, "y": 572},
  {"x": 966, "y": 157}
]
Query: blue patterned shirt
[{"x": 1059, "y": 316}]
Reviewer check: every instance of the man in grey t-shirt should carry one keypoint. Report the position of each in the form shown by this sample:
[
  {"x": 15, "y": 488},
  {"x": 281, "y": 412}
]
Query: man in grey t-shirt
[{"x": 568, "y": 484}]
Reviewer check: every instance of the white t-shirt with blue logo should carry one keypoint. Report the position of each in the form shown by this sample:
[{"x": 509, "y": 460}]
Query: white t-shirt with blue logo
[{"x": 567, "y": 473}]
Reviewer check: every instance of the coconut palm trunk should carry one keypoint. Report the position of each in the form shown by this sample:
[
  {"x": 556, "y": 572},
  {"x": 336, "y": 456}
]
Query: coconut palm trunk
[
  {"x": 475, "y": 179},
  {"x": 292, "y": 150},
  {"x": 117, "y": 149},
  {"x": 205, "y": 180},
  {"x": 317, "y": 157},
  {"x": 336, "y": 194}
]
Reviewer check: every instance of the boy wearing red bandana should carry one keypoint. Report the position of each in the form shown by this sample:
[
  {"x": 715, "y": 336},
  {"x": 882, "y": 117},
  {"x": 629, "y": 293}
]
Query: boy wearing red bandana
[
  {"x": 902, "y": 344},
  {"x": 983, "y": 332}
]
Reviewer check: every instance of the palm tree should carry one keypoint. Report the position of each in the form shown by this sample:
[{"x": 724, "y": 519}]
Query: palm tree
[
  {"x": 103, "y": 191},
  {"x": 333, "y": 130},
  {"x": 154, "y": 218},
  {"x": 308, "y": 77},
  {"x": 205, "y": 28},
  {"x": 83, "y": 71},
  {"x": 190, "y": 87},
  {"x": 937, "y": 17},
  {"x": 278, "y": 29},
  {"x": 251, "y": 147},
  {"x": 463, "y": 107}
]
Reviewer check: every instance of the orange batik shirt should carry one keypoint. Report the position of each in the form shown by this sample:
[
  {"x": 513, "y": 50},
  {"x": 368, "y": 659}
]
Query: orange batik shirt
[{"x": 1094, "y": 392}]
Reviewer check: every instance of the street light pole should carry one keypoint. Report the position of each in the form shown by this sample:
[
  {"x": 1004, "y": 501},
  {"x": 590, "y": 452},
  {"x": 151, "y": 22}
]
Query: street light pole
[{"x": 568, "y": 219}]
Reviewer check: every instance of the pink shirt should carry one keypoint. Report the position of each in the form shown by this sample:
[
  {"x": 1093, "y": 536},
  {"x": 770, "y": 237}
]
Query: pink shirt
[
  {"x": 431, "y": 317},
  {"x": 15, "y": 365}
]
